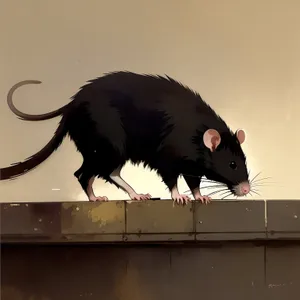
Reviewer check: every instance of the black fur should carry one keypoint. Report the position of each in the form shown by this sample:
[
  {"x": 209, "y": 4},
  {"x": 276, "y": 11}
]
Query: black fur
[{"x": 147, "y": 119}]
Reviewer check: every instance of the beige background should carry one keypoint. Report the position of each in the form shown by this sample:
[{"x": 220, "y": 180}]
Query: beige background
[{"x": 242, "y": 56}]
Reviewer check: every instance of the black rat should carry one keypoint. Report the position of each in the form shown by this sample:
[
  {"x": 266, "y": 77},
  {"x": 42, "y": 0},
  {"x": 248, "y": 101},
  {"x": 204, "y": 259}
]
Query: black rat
[{"x": 149, "y": 119}]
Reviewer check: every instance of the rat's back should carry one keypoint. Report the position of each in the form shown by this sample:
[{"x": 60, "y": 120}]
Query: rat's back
[
  {"x": 138, "y": 113},
  {"x": 147, "y": 91}
]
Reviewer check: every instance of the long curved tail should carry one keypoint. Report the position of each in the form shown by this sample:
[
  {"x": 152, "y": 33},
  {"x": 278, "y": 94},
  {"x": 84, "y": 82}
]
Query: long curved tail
[
  {"x": 28, "y": 117},
  {"x": 20, "y": 168}
]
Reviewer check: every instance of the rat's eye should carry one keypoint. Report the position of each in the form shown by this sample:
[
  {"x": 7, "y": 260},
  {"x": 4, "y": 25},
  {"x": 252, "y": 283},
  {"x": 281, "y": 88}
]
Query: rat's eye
[{"x": 233, "y": 165}]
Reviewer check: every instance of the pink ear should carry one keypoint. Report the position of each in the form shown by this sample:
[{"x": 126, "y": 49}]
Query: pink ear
[
  {"x": 241, "y": 135},
  {"x": 211, "y": 139}
]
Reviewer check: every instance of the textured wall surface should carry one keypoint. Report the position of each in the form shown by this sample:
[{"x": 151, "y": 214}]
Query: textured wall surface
[
  {"x": 239, "y": 271},
  {"x": 150, "y": 250},
  {"x": 150, "y": 221},
  {"x": 118, "y": 221}
]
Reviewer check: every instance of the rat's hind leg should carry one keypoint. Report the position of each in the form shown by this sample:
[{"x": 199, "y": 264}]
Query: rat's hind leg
[
  {"x": 116, "y": 178},
  {"x": 86, "y": 178}
]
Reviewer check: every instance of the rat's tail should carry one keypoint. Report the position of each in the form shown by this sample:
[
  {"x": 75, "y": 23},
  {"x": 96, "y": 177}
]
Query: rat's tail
[
  {"x": 33, "y": 161},
  {"x": 28, "y": 117},
  {"x": 20, "y": 168}
]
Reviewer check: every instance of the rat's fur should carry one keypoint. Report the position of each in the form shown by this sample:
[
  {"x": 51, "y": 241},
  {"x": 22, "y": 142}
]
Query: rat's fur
[{"x": 147, "y": 119}]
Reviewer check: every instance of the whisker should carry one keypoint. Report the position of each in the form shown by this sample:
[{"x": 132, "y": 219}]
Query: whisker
[
  {"x": 256, "y": 193},
  {"x": 257, "y": 187},
  {"x": 225, "y": 192},
  {"x": 215, "y": 192},
  {"x": 212, "y": 193},
  {"x": 205, "y": 187},
  {"x": 263, "y": 184},
  {"x": 212, "y": 185},
  {"x": 209, "y": 181},
  {"x": 254, "y": 188},
  {"x": 226, "y": 196},
  {"x": 255, "y": 177},
  {"x": 259, "y": 182},
  {"x": 202, "y": 179},
  {"x": 260, "y": 179},
  {"x": 208, "y": 187}
]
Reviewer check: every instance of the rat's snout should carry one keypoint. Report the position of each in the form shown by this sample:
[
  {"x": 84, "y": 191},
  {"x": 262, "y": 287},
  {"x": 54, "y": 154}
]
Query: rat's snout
[{"x": 242, "y": 189}]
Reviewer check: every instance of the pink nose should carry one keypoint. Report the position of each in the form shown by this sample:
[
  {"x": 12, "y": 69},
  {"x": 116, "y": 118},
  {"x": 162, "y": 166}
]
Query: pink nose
[{"x": 245, "y": 188}]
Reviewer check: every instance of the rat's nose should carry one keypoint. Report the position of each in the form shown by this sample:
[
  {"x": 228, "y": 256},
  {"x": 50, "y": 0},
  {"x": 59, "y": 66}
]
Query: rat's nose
[{"x": 245, "y": 188}]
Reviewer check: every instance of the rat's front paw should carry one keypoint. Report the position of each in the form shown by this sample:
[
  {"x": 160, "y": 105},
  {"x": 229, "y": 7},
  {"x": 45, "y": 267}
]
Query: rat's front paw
[
  {"x": 140, "y": 197},
  {"x": 94, "y": 198},
  {"x": 181, "y": 199},
  {"x": 203, "y": 199}
]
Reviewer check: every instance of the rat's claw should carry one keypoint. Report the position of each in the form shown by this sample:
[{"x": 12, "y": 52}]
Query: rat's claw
[
  {"x": 182, "y": 199},
  {"x": 204, "y": 199},
  {"x": 140, "y": 197},
  {"x": 94, "y": 199}
]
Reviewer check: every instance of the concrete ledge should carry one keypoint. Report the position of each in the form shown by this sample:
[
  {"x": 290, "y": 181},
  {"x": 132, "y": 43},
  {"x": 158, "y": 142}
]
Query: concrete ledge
[
  {"x": 230, "y": 220},
  {"x": 283, "y": 219},
  {"x": 150, "y": 221}
]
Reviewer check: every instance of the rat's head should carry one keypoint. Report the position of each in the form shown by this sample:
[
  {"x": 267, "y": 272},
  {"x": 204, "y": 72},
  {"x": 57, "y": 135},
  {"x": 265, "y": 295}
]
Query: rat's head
[{"x": 225, "y": 160}]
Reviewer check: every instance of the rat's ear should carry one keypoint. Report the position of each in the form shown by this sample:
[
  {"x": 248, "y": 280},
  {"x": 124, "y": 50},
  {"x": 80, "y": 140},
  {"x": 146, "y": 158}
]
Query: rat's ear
[
  {"x": 241, "y": 135},
  {"x": 211, "y": 139}
]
